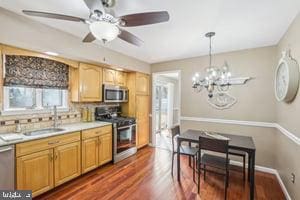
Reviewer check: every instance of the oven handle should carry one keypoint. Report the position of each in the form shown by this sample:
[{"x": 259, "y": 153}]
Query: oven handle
[{"x": 123, "y": 127}]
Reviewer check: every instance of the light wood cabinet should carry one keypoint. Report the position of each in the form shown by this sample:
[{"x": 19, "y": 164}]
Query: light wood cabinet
[
  {"x": 96, "y": 147},
  {"x": 105, "y": 148},
  {"x": 46, "y": 163},
  {"x": 67, "y": 162},
  {"x": 90, "y": 156},
  {"x": 139, "y": 105},
  {"x": 142, "y": 116},
  {"x": 120, "y": 78},
  {"x": 86, "y": 83},
  {"x": 109, "y": 76},
  {"x": 35, "y": 172},
  {"x": 113, "y": 77},
  {"x": 142, "y": 84}
]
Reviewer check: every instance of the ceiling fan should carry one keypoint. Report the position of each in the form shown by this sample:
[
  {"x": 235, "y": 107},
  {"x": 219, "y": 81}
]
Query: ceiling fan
[{"x": 103, "y": 23}]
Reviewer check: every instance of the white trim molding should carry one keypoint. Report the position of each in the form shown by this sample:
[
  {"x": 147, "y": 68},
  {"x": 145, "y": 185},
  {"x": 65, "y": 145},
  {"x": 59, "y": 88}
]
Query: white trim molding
[
  {"x": 267, "y": 170},
  {"x": 285, "y": 132},
  {"x": 288, "y": 134},
  {"x": 229, "y": 121}
]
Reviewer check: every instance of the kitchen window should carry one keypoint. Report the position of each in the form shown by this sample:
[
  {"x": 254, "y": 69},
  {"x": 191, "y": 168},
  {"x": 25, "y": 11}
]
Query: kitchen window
[
  {"x": 34, "y": 84},
  {"x": 18, "y": 100}
]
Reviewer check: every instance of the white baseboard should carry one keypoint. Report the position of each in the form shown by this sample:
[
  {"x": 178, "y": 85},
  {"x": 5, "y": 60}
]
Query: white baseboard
[
  {"x": 267, "y": 170},
  {"x": 286, "y": 193}
]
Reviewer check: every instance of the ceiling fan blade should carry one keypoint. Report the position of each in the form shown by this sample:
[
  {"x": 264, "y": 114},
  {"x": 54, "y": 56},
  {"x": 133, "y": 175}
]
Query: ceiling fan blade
[
  {"x": 53, "y": 16},
  {"x": 89, "y": 38},
  {"x": 140, "y": 19},
  {"x": 130, "y": 38},
  {"x": 94, "y": 5}
]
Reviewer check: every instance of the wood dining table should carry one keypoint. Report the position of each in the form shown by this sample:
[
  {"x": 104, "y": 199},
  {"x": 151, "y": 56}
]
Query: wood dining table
[{"x": 236, "y": 142}]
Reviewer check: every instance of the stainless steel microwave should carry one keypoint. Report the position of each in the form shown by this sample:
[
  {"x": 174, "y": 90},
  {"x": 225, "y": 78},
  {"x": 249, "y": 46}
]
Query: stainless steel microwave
[{"x": 115, "y": 94}]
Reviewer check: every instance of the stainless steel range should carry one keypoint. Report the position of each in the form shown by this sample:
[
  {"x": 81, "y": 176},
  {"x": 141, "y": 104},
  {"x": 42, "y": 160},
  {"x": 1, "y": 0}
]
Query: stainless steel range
[{"x": 124, "y": 131}]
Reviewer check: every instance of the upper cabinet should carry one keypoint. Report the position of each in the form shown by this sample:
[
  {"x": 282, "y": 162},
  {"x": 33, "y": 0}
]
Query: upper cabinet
[
  {"x": 120, "y": 78},
  {"x": 109, "y": 76},
  {"x": 86, "y": 83},
  {"x": 113, "y": 77},
  {"x": 142, "y": 84}
]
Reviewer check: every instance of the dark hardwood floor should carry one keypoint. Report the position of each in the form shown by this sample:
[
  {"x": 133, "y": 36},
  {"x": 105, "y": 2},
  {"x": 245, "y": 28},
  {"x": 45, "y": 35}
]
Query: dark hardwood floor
[{"x": 147, "y": 176}]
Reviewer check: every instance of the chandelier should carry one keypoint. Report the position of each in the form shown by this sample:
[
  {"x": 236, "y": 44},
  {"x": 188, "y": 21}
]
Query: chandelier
[{"x": 217, "y": 78}]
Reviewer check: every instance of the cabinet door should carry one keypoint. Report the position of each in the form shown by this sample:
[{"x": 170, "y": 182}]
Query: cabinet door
[
  {"x": 35, "y": 172},
  {"x": 142, "y": 84},
  {"x": 67, "y": 162},
  {"x": 109, "y": 76},
  {"x": 105, "y": 148},
  {"x": 90, "y": 154},
  {"x": 142, "y": 115},
  {"x": 90, "y": 81},
  {"x": 120, "y": 78}
]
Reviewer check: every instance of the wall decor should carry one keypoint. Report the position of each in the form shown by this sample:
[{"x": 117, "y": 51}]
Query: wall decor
[
  {"x": 221, "y": 100},
  {"x": 286, "y": 78}
]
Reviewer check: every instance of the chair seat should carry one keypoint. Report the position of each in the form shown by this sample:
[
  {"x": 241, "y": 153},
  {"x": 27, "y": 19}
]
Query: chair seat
[
  {"x": 186, "y": 150},
  {"x": 214, "y": 161},
  {"x": 236, "y": 152}
]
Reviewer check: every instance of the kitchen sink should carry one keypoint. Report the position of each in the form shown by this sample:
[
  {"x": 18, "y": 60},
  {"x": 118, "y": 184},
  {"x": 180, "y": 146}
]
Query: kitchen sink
[{"x": 43, "y": 131}]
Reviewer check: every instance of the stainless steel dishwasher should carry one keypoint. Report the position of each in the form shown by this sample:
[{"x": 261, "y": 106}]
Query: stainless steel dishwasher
[{"x": 7, "y": 167}]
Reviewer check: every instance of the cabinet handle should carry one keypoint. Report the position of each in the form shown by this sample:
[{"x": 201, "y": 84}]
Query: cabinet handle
[
  {"x": 98, "y": 132},
  {"x": 55, "y": 156},
  {"x": 55, "y": 142}
]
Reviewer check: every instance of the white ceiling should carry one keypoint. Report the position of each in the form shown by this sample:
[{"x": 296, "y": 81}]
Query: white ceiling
[{"x": 239, "y": 24}]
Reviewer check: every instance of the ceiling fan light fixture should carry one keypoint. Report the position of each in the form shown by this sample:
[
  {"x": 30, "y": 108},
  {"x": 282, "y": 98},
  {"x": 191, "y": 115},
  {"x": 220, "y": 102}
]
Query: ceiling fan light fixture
[{"x": 104, "y": 31}]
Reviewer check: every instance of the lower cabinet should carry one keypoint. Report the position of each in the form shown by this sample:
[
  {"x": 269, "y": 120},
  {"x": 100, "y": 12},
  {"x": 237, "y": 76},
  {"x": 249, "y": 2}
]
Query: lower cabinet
[
  {"x": 35, "y": 172},
  {"x": 46, "y": 163},
  {"x": 67, "y": 162},
  {"x": 105, "y": 148},
  {"x": 96, "y": 150},
  {"x": 90, "y": 156}
]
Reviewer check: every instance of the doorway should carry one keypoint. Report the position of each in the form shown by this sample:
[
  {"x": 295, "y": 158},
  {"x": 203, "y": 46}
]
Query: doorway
[{"x": 165, "y": 107}]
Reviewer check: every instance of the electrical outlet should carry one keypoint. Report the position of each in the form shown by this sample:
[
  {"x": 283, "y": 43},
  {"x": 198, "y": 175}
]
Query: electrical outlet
[{"x": 293, "y": 178}]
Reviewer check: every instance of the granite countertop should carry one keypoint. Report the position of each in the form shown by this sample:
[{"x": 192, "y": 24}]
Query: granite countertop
[{"x": 69, "y": 128}]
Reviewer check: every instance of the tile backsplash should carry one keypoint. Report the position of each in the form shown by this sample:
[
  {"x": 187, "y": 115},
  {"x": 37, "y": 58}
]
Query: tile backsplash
[
  {"x": 8, "y": 123},
  {"x": 36, "y": 121}
]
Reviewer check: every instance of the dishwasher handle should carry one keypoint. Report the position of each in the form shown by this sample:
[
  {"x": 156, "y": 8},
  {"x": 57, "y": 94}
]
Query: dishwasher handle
[{"x": 6, "y": 149}]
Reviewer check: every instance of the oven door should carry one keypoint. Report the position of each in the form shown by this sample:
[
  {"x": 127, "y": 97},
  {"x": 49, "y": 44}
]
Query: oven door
[{"x": 126, "y": 138}]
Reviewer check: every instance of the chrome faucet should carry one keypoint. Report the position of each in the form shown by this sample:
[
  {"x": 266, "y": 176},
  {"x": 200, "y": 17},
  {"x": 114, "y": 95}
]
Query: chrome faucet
[{"x": 55, "y": 120}]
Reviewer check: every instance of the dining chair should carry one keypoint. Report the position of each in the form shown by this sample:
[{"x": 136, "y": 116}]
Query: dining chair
[
  {"x": 184, "y": 149},
  {"x": 215, "y": 162},
  {"x": 240, "y": 154}
]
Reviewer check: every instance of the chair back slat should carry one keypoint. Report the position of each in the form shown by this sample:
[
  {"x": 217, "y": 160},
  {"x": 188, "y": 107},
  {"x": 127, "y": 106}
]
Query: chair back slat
[
  {"x": 211, "y": 144},
  {"x": 175, "y": 130}
]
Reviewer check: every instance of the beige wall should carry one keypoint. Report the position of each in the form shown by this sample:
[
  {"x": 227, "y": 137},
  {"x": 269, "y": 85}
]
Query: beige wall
[
  {"x": 256, "y": 102},
  {"x": 288, "y": 115}
]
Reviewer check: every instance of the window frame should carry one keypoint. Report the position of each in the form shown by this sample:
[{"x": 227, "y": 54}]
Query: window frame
[{"x": 37, "y": 108}]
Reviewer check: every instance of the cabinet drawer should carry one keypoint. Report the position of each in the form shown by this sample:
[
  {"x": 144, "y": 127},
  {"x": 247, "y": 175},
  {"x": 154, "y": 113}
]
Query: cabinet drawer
[
  {"x": 96, "y": 132},
  {"x": 43, "y": 144}
]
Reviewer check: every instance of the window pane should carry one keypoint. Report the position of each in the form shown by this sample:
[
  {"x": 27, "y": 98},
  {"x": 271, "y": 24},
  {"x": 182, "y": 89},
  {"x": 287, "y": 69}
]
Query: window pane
[
  {"x": 21, "y": 97},
  {"x": 52, "y": 97}
]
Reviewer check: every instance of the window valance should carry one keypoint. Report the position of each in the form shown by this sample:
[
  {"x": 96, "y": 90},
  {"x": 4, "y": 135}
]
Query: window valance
[{"x": 35, "y": 72}]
